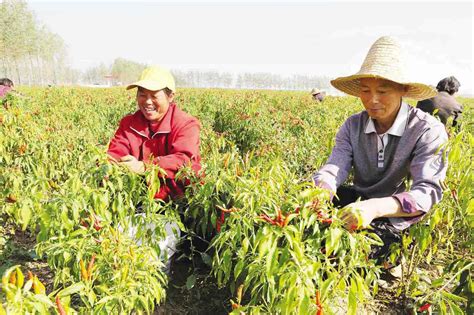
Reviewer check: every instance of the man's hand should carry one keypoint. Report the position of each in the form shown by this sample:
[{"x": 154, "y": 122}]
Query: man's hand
[
  {"x": 134, "y": 165},
  {"x": 359, "y": 215}
]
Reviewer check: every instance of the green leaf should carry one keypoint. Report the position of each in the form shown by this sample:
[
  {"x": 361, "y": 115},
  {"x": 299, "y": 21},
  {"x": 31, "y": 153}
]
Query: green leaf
[
  {"x": 304, "y": 306},
  {"x": 238, "y": 268},
  {"x": 352, "y": 298},
  {"x": 452, "y": 297},
  {"x": 455, "y": 309},
  {"x": 76, "y": 287},
  {"x": 190, "y": 282},
  {"x": 25, "y": 215},
  {"x": 43, "y": 299},
  {"x": 437, "y": 282},
  {"x": 206, "y": 259},
  {"x": 334, "y": 240}
]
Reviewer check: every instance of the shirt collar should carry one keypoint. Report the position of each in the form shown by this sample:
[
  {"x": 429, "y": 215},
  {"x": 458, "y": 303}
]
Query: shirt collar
[{"x": 398, "y": 126}]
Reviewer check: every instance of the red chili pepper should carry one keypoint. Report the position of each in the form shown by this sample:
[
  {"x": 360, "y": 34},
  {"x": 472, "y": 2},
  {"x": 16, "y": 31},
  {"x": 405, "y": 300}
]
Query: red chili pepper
[
  {"x": 84, "y": 224},
  {"x": 268, "y": 219},
  {"x": 353, "y": 227},
  {"x": 318, "y": 303},
  {"x": 235, "y": 306},
  {"x": 226, "y": 210},
  {"x": 454, "y": 194},
  {"x": 13, "y": 277},
  {"x": 279, "y": 219},
  {"x": 61, "y": 309},
  {"x": 97, "y": 225},
  {"x": 425, "y": 307},
  {"x": 326, "y": 221},
  {"x": 220, "y": 221},
  {"x": 90, "y": 266},
  {"x": 11, "y": 198}
]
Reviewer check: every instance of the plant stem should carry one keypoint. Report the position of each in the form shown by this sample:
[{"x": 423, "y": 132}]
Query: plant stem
[{"x": 447, "y": 283}]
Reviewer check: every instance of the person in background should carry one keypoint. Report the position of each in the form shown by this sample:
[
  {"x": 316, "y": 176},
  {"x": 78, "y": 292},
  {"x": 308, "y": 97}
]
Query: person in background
[
  {"x": 317, "y": 94},
  {"x": 444, "y": 105},
  {"x": 6, "y": 86},
  {"x": 159, "y": 133},
  {"x": 387, "y": 143}
]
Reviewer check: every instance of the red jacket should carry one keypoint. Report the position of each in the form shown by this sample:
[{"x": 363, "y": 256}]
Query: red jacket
[{"x": 175, "y": 143}]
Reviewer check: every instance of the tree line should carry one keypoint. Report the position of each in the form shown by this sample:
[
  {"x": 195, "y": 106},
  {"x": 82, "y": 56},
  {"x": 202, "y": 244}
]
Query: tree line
[
  {"x": 123, "y": 72},
  {"x": 33, "y": 55},
  {"x": 30, "y": 53}
]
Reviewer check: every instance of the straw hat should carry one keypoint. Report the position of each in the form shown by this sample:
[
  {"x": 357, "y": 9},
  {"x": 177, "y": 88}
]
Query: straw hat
[
  {"x": 384, "y": 61},
  {"x": 315, "y": 91},
  {"x": 155, "y": 78}
]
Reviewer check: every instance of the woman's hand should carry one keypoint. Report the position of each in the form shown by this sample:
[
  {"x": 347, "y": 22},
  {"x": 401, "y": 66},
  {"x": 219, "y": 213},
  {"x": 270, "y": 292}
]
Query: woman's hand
[{"x": 134, "y": 165}]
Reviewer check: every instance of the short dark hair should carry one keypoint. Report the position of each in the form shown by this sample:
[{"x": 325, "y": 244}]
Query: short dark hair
[
  {"x": 167, "y": 91},
  {"x": 449, "y": 84},
  {"x": 6, "y": 82}
]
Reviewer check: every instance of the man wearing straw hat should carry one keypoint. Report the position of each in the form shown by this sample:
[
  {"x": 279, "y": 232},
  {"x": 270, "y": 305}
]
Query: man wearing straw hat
[
  {"x": 317, "y": 94},
  {"x": 157, "y": 133},
  {"x": 385, "y": 145}
]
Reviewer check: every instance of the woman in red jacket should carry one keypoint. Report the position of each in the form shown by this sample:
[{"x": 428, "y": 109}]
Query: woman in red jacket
[{"x": 157, "y": 133}]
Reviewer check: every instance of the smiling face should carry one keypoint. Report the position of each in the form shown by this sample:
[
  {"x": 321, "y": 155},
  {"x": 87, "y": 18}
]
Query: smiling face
[
  {"x": 153, "y": 104},
  {"x": 381, "y": 99}
]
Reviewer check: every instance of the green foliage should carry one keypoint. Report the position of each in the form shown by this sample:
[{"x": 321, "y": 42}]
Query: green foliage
[{"x": 275, "y": 236}]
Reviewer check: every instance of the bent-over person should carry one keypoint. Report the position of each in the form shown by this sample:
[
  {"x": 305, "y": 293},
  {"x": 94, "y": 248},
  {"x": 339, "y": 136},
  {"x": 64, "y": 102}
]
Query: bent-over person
[{"x": 444, "y": 105}]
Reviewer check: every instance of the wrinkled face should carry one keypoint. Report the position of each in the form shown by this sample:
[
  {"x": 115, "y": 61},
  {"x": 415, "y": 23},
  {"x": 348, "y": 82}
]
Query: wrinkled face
[
  {"x": 153, "y": 104},
  {"x": 381, "y": 98}
]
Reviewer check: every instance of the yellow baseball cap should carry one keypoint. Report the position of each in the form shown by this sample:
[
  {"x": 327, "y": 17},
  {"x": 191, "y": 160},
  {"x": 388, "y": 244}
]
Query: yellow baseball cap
[{"x": 155, "y": 78}]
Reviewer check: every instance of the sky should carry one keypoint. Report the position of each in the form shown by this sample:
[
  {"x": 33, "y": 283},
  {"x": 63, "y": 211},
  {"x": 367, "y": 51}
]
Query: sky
[{"x": 329, "y": 38}]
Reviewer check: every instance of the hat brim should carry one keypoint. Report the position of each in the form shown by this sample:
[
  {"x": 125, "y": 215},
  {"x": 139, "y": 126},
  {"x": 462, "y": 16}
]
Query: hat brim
[
  {"x": 148, "y": 84},
  {"x": 351, "y": 86}
]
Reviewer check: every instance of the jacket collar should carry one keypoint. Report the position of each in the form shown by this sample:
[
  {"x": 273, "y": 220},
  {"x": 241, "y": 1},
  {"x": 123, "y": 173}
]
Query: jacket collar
[
  {"x": 142, "y": 126},
  {"x": 399, "y": 125}
]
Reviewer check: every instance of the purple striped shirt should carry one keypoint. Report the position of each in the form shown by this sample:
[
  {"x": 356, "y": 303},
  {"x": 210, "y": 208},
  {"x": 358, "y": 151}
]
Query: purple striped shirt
[{"x": 411, "y": 154}]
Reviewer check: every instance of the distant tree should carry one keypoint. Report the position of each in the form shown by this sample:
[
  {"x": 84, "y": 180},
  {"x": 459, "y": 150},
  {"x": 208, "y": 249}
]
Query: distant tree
[
  {"x": 126, "y": 71},
  {"x": 97, "y": 74},
  {"x": 29, "y": 52}
]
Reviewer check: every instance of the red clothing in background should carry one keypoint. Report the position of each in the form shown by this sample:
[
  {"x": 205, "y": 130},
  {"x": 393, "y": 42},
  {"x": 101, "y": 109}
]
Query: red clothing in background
[{"x": 4, "y": 90}]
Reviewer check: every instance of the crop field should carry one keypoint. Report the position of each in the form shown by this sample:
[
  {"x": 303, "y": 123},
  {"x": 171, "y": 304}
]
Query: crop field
[{"x": 257, "y": 236}]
